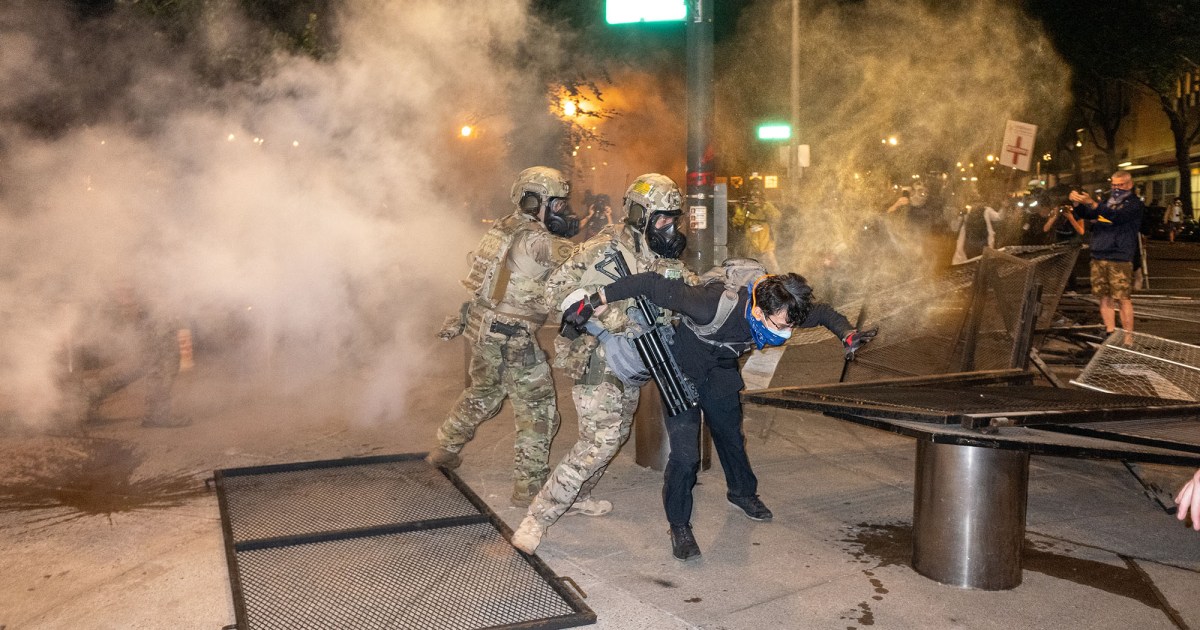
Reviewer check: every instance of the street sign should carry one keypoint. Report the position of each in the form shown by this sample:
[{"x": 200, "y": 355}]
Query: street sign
[
  {"x": 771, "y": 181},
  {"x": 774, "y": 131},
  {"x": 631, "y": 11},
  {"x": 1018, "y": 145}
]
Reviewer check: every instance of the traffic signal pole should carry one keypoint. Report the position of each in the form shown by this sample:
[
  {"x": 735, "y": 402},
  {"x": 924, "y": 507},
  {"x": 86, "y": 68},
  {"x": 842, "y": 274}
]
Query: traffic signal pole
[
  {"x": 701, "y": 166},
  {"x": 650, "y": 433}
]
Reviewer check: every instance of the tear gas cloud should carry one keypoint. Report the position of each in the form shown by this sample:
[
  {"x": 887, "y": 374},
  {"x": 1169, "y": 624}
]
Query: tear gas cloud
[
  {"x": 320, "y": 214},
  {"x": 942, "y": 78}
]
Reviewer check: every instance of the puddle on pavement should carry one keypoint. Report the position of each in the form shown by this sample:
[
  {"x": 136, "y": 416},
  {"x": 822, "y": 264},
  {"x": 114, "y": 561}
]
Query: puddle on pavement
[
  {"x": 891, "y": 544},
  {"x": 88, "y": 478}
]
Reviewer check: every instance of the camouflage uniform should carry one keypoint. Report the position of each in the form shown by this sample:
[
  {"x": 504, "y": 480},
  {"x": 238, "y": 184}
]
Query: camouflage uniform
[
  {"x": 605, "y": 405},
  {"x": 507, "y": 278}
]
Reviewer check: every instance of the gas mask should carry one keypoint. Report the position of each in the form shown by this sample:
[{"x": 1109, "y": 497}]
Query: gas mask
[
  {"x": 666, "y": 241},
  {"x": 559, "y": 219}
]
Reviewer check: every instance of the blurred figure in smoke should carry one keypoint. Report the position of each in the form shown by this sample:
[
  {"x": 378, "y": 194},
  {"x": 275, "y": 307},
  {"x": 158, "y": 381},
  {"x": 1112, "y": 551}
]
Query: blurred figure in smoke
[
  {"x": 599, "y": 216},
  {"x": 976, "y": 231},
  {"x": 650, "y": 241},
  {"x": 125, "y": 344},
  {"x": 508, "y": 305},
  {"x": 1114, "y": 246},
  {"x": 755, "y": 217}
]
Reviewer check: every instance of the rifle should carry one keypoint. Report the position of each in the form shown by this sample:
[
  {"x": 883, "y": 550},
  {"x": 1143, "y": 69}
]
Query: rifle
[{"x": 678, "y": 393}]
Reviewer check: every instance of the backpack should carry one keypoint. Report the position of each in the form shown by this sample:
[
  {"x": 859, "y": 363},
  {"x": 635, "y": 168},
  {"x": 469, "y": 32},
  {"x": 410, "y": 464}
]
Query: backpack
[{"x": 734, "y": 273}]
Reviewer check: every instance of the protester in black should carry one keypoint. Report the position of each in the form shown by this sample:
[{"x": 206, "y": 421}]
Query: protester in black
[{"x": 763, "y": 313}]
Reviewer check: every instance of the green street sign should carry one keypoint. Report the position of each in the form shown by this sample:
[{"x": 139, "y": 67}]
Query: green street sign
[
  {"x": 774, "y": 131},
  {"x": 632, "y": 11}
]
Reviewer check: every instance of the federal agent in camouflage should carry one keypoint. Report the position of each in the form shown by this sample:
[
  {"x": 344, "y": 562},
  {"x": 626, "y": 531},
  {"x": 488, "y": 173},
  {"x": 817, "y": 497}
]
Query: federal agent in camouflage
[
  {"x": 127, "y": 343},
  {"x": 508, "y": 305},
  {"x": 650, "y": 242}
]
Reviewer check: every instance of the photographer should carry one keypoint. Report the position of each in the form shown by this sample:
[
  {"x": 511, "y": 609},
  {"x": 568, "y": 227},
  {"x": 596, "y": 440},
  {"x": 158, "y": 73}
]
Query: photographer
[
  {"x": 1115, "y": 224},
  {"x": 599, "y": 216},
  {"x": 976, "y": 231},
  {"x": 1064, "y": 224}
]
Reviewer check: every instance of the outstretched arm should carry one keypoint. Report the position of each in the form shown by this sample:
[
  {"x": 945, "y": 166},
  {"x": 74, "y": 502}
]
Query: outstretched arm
[{"x": 1188, "y": 500}]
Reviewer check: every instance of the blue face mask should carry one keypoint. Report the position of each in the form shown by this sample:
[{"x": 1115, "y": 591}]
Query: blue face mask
[{"x": 763, "y": 335}]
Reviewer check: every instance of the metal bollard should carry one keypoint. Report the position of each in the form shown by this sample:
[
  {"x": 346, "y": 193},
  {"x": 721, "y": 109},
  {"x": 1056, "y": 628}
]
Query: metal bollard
[{"x": 969, "y": 515}]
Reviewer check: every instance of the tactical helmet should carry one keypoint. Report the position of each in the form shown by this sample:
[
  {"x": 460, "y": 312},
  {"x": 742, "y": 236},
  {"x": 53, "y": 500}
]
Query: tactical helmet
[
  {"x": 647, "y": 197},
  {"x": 541, "y": 186},
  {"x": 543, "y": 181}
]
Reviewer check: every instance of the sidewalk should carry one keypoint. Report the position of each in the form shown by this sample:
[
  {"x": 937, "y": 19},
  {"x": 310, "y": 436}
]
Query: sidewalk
[{"x": 140, "y": 545}]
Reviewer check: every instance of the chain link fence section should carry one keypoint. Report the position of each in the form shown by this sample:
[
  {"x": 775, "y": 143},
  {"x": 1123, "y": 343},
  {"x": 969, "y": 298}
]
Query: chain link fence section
[
  {"x": 1144, "y": 365},
  {"x": 386, "y": 542},
  {"x": 972, "y": 318}
]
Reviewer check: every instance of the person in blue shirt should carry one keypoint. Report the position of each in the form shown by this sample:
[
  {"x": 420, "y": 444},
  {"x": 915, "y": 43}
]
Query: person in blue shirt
[{"x": 1115, "y": 224}]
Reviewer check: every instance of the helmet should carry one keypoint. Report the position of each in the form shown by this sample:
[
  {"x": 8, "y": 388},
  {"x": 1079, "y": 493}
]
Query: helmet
[
  {"x": 541, "y": 187},
  {"x": 648, "y": 197}
]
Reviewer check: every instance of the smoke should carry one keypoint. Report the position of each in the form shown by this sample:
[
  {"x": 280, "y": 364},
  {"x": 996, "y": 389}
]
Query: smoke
[
  {"x": 940, "y": 78},
  {"x": 313, "y": 218}
]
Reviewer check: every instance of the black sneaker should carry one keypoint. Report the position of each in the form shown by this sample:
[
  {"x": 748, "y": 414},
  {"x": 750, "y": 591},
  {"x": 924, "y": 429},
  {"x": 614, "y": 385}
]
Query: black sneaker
[
  {"x": 683, "y": 542},
  {"x": 752, "y": 506}
]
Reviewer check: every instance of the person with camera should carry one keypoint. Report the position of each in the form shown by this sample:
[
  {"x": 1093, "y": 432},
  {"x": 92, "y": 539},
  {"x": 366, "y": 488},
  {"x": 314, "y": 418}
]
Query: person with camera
[
  {"x": 1115, "y": 224},
  {"x": 1063, "y": 223},
  {"x": 599, "y": 216},
  {"x": 976, "y": 231}
]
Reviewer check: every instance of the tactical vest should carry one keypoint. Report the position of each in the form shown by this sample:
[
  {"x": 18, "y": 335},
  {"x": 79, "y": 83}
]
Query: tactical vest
[
  {"x": 492, "y": 283},
  {"x": 616, "y": 318}
]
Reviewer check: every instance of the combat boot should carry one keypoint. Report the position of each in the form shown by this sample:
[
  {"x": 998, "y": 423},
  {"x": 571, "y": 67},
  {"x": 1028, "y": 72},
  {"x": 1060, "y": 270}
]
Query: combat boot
[
  {"x": 529, "y": 535},
  {"x": 590, "y": 507},
  {"x": 442, "y": 458},
  {"x": 524, "y": 492},
  {"x": 683, "y": 542}
]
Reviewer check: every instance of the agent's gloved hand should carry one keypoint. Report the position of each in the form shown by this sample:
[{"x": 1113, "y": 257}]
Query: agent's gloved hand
[
  {"x": 578, "y": 313},
  {"x": 856, "y": 339}
]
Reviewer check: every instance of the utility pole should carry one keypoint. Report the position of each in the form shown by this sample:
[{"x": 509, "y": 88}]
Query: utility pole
[
  {"x": 701, "y": 167},
  {"x": 794, "y": 141}
]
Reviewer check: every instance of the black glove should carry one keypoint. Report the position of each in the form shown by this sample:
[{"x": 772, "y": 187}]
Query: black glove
[
  {"x": 577, "y": 315},
  {"x": 856, "y": 339}
]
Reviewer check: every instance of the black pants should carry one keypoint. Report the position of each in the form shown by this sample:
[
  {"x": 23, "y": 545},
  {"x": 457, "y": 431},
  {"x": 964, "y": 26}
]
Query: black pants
[{"x": 724, "y": 416}]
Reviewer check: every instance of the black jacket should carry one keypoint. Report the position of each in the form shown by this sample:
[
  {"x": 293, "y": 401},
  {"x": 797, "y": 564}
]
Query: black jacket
[{"x": 710, "y": 366}]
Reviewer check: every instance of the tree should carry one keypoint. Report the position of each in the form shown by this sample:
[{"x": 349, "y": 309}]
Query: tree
[
  {"x": 1144, "y": 44},
  {"x": 1102, "y": 102},
  {"x": 1168, "y": 67}
]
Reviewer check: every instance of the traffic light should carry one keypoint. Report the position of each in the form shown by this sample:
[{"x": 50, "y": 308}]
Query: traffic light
[
  {"x": 774, "y": 131},
  {"x": 630, "y": 11}
]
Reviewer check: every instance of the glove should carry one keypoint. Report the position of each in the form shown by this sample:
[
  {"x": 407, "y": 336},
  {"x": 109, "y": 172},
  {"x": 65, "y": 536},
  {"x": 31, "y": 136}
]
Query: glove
[
  {"x": 580, "y": 312},
  {"x": 855, "y": 340}
]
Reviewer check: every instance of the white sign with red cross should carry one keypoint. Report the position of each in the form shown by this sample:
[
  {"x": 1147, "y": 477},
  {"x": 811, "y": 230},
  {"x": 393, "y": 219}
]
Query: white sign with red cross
[{"x": 1018, "y": 145}]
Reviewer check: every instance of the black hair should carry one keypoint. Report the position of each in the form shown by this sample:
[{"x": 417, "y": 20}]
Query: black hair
[{"x": 790, "y": 291}]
